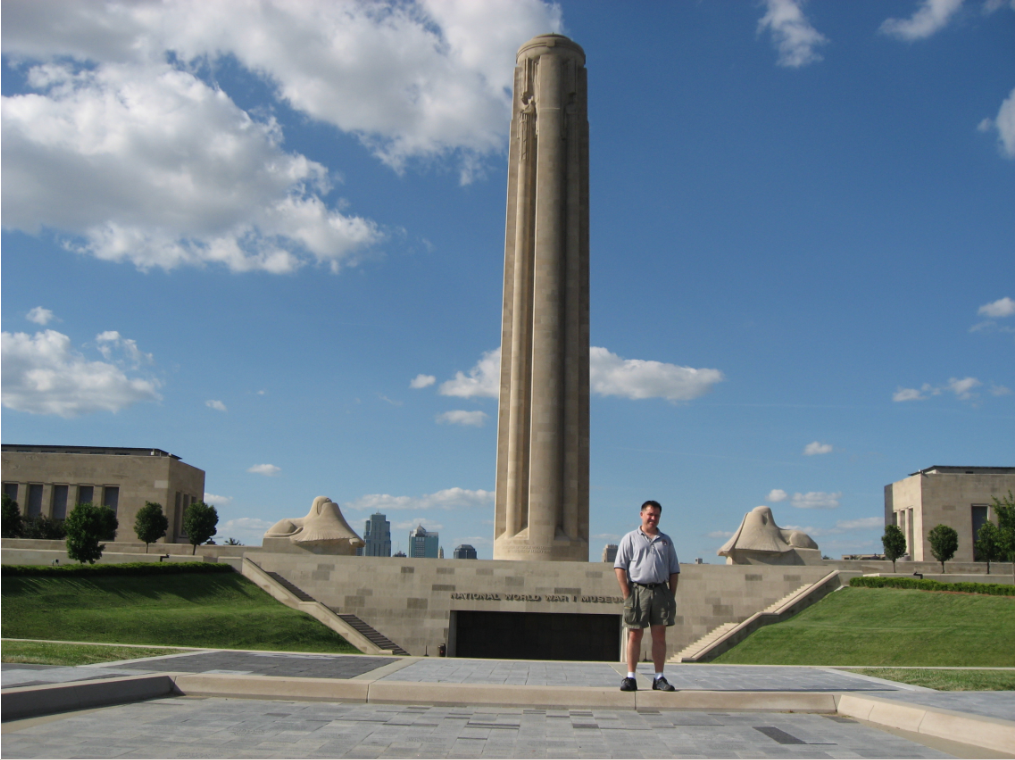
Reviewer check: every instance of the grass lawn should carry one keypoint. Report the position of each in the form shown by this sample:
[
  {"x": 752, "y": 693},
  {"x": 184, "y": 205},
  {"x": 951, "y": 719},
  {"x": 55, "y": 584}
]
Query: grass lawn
[
  {"x": 223, "y": 611},
  {"x": 947, "y": 680},
  {"x": 885, "y": 627},
  {"x": 42, "y": 653}
]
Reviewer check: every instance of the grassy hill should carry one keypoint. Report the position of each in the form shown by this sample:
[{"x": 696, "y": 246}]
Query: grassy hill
[
  {"x": 197, "y": 610},
  {"x": 884, "y": 627}
]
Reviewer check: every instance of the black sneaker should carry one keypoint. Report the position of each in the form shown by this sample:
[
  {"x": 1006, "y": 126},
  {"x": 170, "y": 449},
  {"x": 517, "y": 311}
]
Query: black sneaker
[
  {"x": 629, "y": 684},
  {"x": 661, "y": 684}
]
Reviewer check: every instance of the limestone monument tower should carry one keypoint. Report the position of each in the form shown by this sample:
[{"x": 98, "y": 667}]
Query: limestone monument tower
[{"x": 542, "y": 502}]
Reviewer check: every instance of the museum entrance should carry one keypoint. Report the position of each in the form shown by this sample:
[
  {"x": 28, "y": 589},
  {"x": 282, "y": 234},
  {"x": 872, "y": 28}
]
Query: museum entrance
[{"x": 536, "y": 635}]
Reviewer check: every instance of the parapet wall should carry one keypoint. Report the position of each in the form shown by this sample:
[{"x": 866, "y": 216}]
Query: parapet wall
[{"x": 411, "y": 600}]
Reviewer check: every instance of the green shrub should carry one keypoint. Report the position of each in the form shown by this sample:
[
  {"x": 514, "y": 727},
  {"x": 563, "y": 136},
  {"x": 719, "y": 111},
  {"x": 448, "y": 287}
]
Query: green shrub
[
  {"x": 125, "y": 568},
  {"x": 926, "y": 584}
]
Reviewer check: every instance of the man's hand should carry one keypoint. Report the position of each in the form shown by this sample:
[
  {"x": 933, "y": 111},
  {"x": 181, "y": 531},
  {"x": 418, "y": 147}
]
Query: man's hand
[{"x": 622, "y": 580}]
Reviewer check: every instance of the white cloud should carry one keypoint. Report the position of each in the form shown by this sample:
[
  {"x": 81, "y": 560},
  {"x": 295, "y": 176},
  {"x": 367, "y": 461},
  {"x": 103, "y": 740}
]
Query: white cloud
[
  {"x": 462, "y": 417},
  {"x": 449, "y": 498},
  {"x": 931, "y": 17},
  {"x": 148, "y": 164},
  {"x": 43, "y": 374},
  {"x": 247, "y": 530},
  {"x": 719, "y": 534},
  {"x": 111, "y": 341},
  {"x": 816, "y": 500},
  {"x": 265, "y": 469},
  {"x": 639, "y": 379},
  {"x": 217, "y": 501},
  {"x": 216, "y": 405},
  {"x": 426, "y": 522},
  {"x": 777, "y": 495},
  {"x": 422, "y": 381},
  {"x": 421, "y": 79},
  {"x": 1002, "y": 307},
  {"x": 962, "y": 388},
  {"x": 483, "y": 380},
  {"x": 999, "y": 390},
  {"x": 609, "y": 375},
  {"x": 792, "y": 33},
  {"x": 40, "y": 316},
  {"x": 815, "y": 447},
  {"x": 864, "y": 523}
]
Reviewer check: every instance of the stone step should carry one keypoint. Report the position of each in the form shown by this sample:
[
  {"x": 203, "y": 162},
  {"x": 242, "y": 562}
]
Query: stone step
[
  {"x": 371, "y": 633},
  {"x": 292, "y": 588}
]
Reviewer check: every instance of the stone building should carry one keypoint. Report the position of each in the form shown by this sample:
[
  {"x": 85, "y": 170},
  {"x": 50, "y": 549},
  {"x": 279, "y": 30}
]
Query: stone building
[
  {"x": 959, "y": 497},
  {"x": 51, "y": 480}
]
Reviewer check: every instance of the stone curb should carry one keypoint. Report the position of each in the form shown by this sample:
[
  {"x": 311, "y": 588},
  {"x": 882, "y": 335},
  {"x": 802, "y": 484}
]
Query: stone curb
[
  {"x": 29, "y": 701},
  {"x": 977, "y": 730}
]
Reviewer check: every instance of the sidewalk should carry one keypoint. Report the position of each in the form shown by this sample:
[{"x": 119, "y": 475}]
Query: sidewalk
[{"x": 436, "y": 707}]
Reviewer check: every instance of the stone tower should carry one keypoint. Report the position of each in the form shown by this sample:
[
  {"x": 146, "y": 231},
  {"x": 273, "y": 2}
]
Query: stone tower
[{"x": 542, "y": 507}]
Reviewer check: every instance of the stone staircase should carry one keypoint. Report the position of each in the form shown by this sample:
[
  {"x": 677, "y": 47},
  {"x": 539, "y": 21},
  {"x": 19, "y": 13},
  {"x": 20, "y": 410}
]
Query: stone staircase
[
  {"x": 357, "y": 632},
  {"x": 726, "y": 636},
  {"x": 372, "y": 634}
]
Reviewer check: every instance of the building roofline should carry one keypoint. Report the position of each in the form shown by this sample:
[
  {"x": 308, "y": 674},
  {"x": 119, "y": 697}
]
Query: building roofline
[
  {"x": 944, "y": 469},
  {"x": 99, "y": 450}
]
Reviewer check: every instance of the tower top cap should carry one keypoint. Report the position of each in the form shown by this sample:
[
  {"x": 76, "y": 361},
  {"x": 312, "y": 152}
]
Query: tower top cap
[{"x": 551, "y": 43}]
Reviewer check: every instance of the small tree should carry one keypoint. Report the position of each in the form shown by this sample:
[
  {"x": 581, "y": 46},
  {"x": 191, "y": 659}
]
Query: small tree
[
  {"x": 1005, "y": 511},
  {"x": 150, "y": 524},
  {"x": 86, "y": 526},
  {"x": 200, "y": 521},
  {"x": 12, "y": 526},
  {"x": 894, "y": 542},
  {"x": 944, "y": 542},
  {"x": 232, "y": 542},
  {"x": 988, "y": 544}
]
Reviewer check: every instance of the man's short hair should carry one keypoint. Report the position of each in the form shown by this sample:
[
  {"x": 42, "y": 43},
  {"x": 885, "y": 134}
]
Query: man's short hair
[{"x": 651, "y": 503}]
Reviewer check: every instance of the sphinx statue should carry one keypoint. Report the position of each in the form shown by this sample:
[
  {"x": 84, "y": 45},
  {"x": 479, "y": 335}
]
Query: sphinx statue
[
  {"x": 759, "y": 541},
  {"x": 322, "y": 531}
]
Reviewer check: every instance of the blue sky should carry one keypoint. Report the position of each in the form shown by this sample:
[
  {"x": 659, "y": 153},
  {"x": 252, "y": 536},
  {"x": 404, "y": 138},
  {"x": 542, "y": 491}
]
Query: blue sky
[{"x": 269, "y": 239}]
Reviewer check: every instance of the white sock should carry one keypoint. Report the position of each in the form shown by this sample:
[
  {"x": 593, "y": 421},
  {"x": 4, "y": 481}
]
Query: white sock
[
  {"x": 631, "y": 674},
  {"x": 658, "y": 676}
]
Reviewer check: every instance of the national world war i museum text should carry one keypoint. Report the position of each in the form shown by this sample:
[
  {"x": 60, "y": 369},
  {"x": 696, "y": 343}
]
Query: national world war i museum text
[{"x": 51, "y": 480}]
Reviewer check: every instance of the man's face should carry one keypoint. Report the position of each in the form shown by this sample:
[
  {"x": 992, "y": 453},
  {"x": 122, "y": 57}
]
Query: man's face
[{"x": 650, "y": 519}]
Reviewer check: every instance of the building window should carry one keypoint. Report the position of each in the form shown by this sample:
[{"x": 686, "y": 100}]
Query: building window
[
  {"x": 85, "y": 494},
  {"x": 34, "y": 500},
  {"x": 11, "y": 490},
  {"x": 111, "y": 497},
  {"x": 979, "y": 518},
  {"x": 60, "y": 502}
]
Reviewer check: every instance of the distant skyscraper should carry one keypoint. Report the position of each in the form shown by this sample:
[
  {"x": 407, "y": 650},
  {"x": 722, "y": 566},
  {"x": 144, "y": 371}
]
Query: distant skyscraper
[
  {"x": 465, "y": 551},
  {"x": 440, "y": 553},
  {"x": 609, "y": 552},
  {"x": 423, "y": 543},
  {"x": 377, "y": 535}
]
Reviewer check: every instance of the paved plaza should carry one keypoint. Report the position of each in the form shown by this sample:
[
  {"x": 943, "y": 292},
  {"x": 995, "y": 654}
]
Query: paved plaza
[
  {"x": 216, "y": 726},
  {"x": 187, "y": 727}
]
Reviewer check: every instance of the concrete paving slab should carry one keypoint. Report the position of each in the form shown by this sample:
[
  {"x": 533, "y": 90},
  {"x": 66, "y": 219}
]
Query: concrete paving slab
[{"x": 264, "y": 664}]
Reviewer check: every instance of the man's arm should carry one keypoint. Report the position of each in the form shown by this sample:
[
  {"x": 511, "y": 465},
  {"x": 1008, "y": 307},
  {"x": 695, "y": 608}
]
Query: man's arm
[
  {"x": 622, "y": 580},
  {"x": 674, "y": 580}
]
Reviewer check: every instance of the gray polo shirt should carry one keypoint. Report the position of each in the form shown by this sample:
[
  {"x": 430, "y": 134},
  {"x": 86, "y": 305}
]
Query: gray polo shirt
[{"x": 647, "y": 560}]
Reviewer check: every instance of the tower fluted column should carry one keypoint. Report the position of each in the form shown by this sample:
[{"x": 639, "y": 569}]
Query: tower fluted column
[{"x": 543, "y": 425}]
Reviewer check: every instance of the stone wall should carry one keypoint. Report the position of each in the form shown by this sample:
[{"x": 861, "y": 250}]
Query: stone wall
[{"x": 411, "y": 600}]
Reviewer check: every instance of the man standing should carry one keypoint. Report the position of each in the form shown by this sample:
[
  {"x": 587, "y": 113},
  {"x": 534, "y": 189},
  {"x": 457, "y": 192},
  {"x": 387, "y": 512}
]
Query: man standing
[{"x": 647, "y": 571}]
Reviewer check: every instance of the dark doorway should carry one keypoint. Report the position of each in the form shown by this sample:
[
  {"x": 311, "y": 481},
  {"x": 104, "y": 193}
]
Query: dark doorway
[{"x": 537, "y": 636}]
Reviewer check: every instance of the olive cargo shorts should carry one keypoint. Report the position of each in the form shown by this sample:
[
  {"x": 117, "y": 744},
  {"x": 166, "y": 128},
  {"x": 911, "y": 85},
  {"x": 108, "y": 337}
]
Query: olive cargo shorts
[{"x": 650, "y": 606}]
